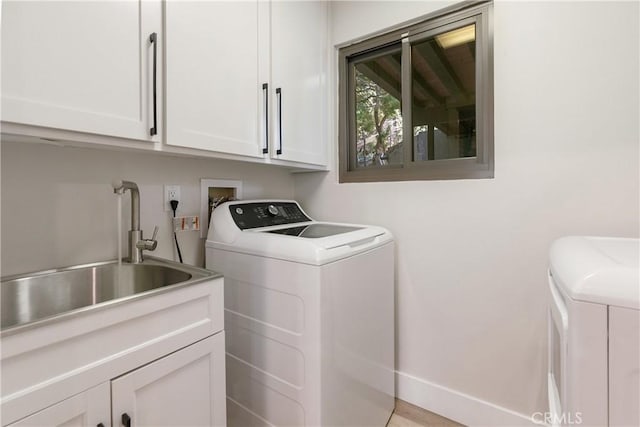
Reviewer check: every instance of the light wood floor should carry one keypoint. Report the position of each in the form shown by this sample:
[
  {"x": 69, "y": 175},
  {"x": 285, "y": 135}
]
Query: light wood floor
[{"x": 408, "y": 415}]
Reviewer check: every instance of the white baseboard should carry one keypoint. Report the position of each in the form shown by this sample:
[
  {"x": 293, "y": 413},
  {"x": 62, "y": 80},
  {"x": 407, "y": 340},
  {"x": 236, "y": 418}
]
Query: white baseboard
[{"x": 455, "y": 405}]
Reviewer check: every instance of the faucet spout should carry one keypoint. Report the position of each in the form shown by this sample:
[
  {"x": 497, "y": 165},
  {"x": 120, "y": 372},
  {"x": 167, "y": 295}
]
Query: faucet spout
[
  {"x": 136, "y": 243},
  {"x": 119, "y": 187}
]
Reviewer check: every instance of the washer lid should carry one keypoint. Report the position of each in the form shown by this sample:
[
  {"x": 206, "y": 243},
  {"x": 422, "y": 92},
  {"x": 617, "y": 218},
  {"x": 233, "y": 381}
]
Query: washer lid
[
  {"x": 281, "y": 229},
  {"x": 316, "y": 250},
  {"x": 603, "y": 270},
  {"x": 315, "y": 231}
]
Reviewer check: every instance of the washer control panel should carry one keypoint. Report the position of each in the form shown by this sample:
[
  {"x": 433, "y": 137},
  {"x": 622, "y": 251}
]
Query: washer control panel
[{"x": 265, "y": 214}]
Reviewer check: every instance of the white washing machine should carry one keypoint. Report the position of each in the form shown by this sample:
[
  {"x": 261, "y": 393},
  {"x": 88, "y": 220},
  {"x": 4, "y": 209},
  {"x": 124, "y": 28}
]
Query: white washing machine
[
  {"x": 594, "y": 332},
  {"x": 309, "y": 316}
]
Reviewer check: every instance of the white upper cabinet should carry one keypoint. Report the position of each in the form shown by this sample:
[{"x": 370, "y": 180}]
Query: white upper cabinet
[
  {"x": 248, "y": 78},
  {"x": 82, "y": 66},
  {"x": 298, "y": 66},
  {"x": 237, "y": 79},
  {"x": 217, "y": 62}
]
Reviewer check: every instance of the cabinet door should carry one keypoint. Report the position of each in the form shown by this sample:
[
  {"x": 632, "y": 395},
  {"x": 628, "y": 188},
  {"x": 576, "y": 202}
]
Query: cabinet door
[
  {"x": 298, "y": 63},
  {"x": 89, "y": 408},
  {"x": 217, "y": 62},
  {"x": 624, "y": 367},
  {"x": 186, "y": 388},
  {"x": 81, "y": 66}
]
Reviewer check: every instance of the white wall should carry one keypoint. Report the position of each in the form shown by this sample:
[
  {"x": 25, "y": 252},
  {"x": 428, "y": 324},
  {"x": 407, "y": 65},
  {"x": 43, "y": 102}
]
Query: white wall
[
  {"x": 472, "y": 254},
  {"x": 58, "y": 206}
]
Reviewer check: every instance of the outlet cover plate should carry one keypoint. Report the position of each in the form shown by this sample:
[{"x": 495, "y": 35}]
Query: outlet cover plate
[{"x": 171, "y": 192}]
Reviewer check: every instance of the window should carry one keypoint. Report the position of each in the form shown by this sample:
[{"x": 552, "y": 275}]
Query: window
[{"x": 417, "y": 103}]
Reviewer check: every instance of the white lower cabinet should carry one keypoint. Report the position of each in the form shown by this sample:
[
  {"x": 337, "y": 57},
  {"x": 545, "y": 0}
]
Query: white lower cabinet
[
  {"x": 185, "y": 388},
  {"x": 158, "y": 360},
  {"x": 89, "y": 408}
]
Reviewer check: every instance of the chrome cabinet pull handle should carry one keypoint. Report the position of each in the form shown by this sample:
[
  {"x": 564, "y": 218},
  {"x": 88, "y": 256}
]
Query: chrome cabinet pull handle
[
  {"x": 265, "y": 90},
  {"x": 153, "y": 38}
]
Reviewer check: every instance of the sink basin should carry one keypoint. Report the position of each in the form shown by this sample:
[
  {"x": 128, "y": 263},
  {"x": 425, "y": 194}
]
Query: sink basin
[{"x": 49, "y": 294}]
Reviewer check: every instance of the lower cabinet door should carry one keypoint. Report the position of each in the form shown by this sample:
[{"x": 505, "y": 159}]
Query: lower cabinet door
[
  {"x": 89, "y": 408},
  {"x": 185, "y": 388}
]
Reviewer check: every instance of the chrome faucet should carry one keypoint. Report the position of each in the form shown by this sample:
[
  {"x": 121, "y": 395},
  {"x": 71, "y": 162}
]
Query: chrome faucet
[{"x": 136, "y": 243}]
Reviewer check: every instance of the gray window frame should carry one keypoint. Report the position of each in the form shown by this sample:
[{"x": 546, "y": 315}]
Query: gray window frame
[{"x": 481, "y": 166}]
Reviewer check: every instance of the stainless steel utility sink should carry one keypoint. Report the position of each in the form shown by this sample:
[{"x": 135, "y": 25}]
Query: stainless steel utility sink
[{"x": 49, "y": 295}]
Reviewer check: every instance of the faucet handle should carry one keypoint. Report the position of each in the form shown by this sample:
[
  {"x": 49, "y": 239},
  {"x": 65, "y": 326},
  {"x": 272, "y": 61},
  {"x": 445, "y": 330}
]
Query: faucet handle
[
  {"x": 152, "y": 243},
  {"x": 149, "y": 244}
]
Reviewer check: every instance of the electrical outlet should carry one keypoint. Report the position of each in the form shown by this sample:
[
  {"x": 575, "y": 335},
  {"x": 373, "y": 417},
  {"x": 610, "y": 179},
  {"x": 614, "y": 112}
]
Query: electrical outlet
[{"x": 171, "y": 192}]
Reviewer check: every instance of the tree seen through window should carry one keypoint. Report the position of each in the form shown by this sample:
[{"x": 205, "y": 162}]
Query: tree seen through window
[{"x": 378, "y": 120}]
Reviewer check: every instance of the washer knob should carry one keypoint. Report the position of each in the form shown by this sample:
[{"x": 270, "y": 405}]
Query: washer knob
[{"x": 273, "y": 211}]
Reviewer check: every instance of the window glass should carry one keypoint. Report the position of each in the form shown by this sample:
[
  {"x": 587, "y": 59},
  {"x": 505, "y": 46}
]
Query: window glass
[
  {"x": 417, "y": 102},
  {"x": 378, "y": 130},
  {"x": 443, "y": 96}
]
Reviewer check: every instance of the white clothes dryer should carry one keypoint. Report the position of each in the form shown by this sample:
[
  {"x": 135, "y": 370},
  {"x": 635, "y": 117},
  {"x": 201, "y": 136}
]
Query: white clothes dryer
[
  {"x": 594, "y": 332},
  {"x": 309, "y": 316}
]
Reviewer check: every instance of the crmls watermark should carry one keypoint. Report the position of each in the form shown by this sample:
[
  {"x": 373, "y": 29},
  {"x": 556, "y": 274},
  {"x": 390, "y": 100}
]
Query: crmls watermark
[{"x": 549, "y": 418}]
